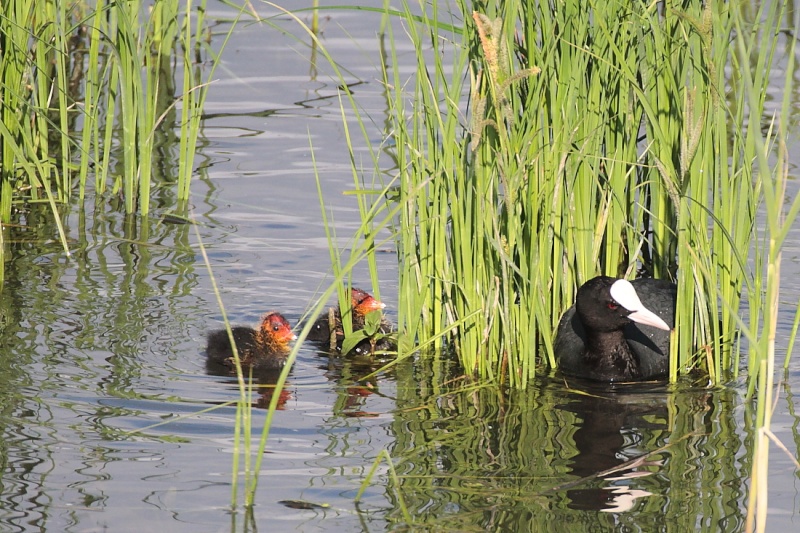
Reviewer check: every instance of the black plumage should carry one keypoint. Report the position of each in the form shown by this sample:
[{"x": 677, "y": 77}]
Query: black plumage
[{"x": 599, "y": 338}]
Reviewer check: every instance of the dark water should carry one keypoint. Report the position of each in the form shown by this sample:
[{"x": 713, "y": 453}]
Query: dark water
[{"x": 110, "y": 342}]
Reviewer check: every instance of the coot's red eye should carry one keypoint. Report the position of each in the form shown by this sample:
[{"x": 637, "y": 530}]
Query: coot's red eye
[{"x": 612, "y": 306}]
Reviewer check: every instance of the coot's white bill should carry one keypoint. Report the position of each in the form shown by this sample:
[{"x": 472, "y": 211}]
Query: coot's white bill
[{"x": 623, "y": 292}]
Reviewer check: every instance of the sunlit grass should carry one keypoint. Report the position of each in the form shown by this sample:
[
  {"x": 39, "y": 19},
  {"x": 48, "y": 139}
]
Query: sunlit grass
[
  {"x": 616, "y": 138},
  {"x": 33, "y": 90},
  {"x": 607, "y": 140},
  {"x": 781, "y": 215},
  {"x": 536, "y": 146},
  {"x": 89, "y": 91}
]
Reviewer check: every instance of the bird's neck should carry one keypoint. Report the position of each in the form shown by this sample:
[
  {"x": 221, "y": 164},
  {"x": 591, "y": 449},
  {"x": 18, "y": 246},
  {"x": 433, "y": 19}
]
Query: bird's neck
[
  {"x": 610, "y": 355},
  {"x": 272, "y": 345}
]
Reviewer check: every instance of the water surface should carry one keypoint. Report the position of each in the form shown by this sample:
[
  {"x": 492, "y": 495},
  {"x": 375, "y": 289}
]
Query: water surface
[{"x": 110, "y": 342}]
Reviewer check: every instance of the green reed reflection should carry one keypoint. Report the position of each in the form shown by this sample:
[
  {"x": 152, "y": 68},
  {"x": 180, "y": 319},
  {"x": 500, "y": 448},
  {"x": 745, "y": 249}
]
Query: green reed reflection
[{"x": 477, "y": 459}]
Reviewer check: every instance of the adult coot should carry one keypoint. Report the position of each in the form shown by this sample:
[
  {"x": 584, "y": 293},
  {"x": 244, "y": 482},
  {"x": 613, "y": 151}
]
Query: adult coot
[
  {"x": 266, "y": 348},
  {"x": 617, "y": 330}
]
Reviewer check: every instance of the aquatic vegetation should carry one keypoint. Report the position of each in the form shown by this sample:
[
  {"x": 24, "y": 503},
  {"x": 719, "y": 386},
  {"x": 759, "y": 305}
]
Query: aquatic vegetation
[
  {"x": 626, "y": 139},
  {"x": 614, "y": 140},
  {"x": 89, "y": 92},
  {"x": 535, "y": 146}
]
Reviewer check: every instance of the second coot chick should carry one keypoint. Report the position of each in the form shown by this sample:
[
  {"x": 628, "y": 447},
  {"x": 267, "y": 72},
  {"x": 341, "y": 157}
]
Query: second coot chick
[
  {"x": 265, "y": 348},
  {"x": 617, "y": 330},
  {"x": 361, "y": 304}
]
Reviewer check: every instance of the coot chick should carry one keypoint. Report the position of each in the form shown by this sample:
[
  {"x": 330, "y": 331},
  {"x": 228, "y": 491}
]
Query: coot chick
[
  {"x": 361, "y": 304},
  {"x": 264, "y": 349},
  {"x": 620, "y": 331}
]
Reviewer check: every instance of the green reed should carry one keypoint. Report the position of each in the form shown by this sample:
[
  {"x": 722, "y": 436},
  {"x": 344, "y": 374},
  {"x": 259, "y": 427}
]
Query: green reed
[
  {"x": 780, "y": 218},
  {"x": 616, "y": 138},
  {"x": 133, "y": 93},
  {"x": 90, "y": 90},
  {"x": 196, "y": 80},
  {"x": 376, "y": 216},
  {"x": 361, "y": 250},
  {"x": 607, "y": 140},
  {"x": 246, "y": 463},
  {"x": 34, "y": 94}
]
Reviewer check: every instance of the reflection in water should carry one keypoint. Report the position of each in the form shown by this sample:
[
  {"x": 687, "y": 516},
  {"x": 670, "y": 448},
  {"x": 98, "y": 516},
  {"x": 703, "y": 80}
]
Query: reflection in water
[
  {"x": 262, "y": 380},
  {"x": 353, "y": 388},
  {"x": 483, "y": 459},
  {"x": 346, "y": 373},
  {"x": 110, "y": 340},
  {"x": 610, "y": 422},
  {"x": 76, "y": 333}
]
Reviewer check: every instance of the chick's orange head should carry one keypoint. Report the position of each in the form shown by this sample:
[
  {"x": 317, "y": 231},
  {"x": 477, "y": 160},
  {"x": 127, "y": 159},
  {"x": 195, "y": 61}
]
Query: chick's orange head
[
  {"x": 274, "y": 326},
  {"x": 364, "y": 303}
]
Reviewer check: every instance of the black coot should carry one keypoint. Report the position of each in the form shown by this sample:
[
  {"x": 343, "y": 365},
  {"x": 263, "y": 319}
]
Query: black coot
[{"x": 620, "y": 331}]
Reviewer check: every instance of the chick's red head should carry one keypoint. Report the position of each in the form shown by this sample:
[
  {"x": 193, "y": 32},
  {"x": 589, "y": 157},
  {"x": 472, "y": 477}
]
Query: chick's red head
[
  {"x": 364, "y": 303},
  {"x": 275, "y": 327}
]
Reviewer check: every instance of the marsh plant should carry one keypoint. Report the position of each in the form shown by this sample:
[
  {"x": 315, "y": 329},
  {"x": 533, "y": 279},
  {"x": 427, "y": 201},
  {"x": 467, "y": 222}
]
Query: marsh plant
[
  {"x": 98, "y": 100},
  {"x": 538, "y": 145},
  {"x": 90, "y": 100},
  {"x": 541, "y": 144}
]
